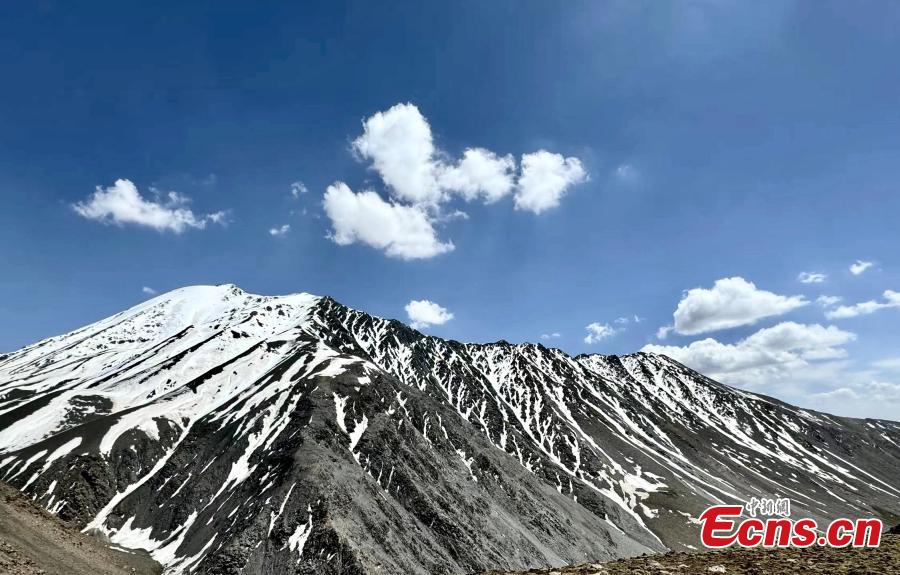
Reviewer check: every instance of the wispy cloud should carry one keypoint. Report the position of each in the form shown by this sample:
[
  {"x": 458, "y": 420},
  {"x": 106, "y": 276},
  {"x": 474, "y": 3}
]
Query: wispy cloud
[
  {"x": 811, "y": 277},
  {"x": 774, "y": 353},
  {"x": 280, "y": 230},
  {"x": 626, "y": 174},
  {"x": 887, "y": 364},
  {"x": 122, "y": 204},
  {"x": 298, "y": 188},
  {"x": 148, "y": 290},
  {"x": 891, "y": 299},
  {"x": 860, "y": 266},
  {"x": 664, "y": 331},
  {"x": 859, "y": 396},
  {"x": 209, "y": 180},
  {"x": 828, "y": 300}
]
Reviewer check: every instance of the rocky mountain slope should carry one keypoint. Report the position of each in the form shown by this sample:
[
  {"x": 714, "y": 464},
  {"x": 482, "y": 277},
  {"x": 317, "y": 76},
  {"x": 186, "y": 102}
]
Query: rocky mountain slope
[
  {"x": 33, "y": 542},
  {"x": 226, "y": 432}
]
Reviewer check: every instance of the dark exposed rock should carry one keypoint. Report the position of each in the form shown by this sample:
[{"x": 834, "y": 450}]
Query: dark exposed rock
[{"x": 326, "y": 440}]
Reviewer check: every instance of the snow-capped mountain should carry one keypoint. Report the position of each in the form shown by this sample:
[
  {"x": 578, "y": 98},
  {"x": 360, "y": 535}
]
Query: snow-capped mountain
[{"x": 233, "y": 433}]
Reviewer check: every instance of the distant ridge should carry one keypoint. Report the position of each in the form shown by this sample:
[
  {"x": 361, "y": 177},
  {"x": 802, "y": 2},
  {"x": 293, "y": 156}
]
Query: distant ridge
[{"x": 226, "y": 432}]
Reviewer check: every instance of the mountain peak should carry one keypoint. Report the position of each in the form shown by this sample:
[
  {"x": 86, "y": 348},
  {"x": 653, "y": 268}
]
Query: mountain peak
[{"x": 227, "y": 432}]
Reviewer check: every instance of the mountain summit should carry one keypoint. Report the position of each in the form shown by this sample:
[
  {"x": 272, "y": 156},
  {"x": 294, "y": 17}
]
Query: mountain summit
[{"x": 227, "y": 433}]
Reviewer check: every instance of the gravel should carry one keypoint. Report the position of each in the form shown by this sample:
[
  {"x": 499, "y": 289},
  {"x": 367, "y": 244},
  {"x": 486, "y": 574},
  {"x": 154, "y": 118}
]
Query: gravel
[
  {"x": 884, "y": 560},
  {"x": 33, "y": 542}
]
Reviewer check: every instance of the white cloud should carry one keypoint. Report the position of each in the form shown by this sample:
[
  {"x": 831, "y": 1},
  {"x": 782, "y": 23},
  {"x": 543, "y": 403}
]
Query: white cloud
[
  {"x": 122, "y": 204},
  {"x": 298, "y": 188},
  {"x": 280, "y": 230},
  {"x": 887, "y": 364},
  {"x": 891, "y": 299},
  {"x": 766, "y": 357},
  {"x": 664, "y": 331},
  {"x": 481, "y": 173},
  {"x": 861, "y": 397},
  {"x": 148, "y": 290},
  {"x": 805, "y": 365},
  {"x": 626, "y": 172},
  {"x": 731, "y": 302},
  {"x": 545, "y": 178},
  {"x": 220, "y": 218},
  {"x": 860, "y": 266},
  {"x": 828, "y": 300},
  {"x": 622, "y": 320},
  {"x": 811, "y": 277},
  {"x": 208, "y": 180},
  {"x": 598, "y": 332},
  {"x": 399, "y": 144},
  {"x": 424, "y": 313},
  {"x": 840, "y": 394},
  {"x": 554, "y": 335},
  {"x": 404, "y": 232},
  {"x": 879, "y": 391},
  {"x": 421, "y": 179}
]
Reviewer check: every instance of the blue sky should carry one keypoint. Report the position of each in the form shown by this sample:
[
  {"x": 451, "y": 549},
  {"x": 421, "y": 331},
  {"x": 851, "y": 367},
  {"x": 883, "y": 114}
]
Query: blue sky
[{"x": 622, "y": 154}]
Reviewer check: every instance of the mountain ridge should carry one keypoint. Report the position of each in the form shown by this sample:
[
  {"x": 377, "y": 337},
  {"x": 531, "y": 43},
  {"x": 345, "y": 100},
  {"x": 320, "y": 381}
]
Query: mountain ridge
[{"x": 227, "y": 432}]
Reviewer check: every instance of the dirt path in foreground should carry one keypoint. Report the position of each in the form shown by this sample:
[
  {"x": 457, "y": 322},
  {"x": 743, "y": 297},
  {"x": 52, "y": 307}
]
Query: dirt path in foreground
[{"x": 33, "y": 542}]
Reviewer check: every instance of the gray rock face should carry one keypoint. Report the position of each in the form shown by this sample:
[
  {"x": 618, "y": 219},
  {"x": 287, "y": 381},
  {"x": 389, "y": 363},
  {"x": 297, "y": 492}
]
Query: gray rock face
[{"x": 231, "y": 433}]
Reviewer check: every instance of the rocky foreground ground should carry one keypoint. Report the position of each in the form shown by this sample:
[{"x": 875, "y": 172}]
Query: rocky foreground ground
[
  {"x": 33, "y": 542},
  {"x": 884, "y": 560}
]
